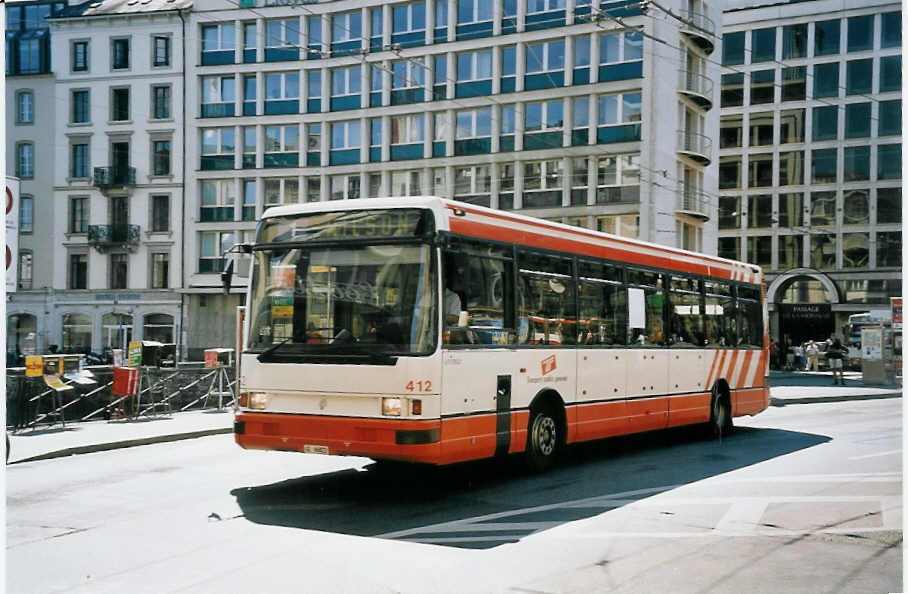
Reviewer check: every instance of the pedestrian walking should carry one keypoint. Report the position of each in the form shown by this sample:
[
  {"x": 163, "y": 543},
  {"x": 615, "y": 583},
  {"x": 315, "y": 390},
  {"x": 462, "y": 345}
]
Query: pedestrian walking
[
  {"x": 800, "y": 362},
  {"x": 773, "y": 355},
  {"x": 813, "y": 356},
  {"x": 835, "y": 353}
]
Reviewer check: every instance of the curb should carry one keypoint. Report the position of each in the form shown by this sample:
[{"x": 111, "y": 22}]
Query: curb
[
  {"x": 820, "y": 399},
  {"x": 116, "y": 445}
]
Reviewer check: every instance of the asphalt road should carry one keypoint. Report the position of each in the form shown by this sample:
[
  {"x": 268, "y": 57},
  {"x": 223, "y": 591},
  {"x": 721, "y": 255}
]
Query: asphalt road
[{"x": 805, "y": 498}]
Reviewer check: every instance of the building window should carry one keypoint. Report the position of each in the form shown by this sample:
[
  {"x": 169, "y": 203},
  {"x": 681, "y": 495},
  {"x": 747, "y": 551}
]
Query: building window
[
  {"x": 822, "y": 208},
  {"x": 26, "y": 214},
  {"x": 857, "y": 120},
  {"x": 791, "y": 209},
  {"x": 759, "y": 211},
  {"x": 791, "y": 251},
  {"x": 160, "y": 97},
  {"x": 25, "y": 107},
  {"x": 119, "y": 268},
  {"x": 160, "y": 213},
  {"x": 759, "y": 251},
  {"x": 25, "y": 160},
  {"x": 889, "y": 249},
  {"x": 407, "y": 129},
  {"x": 763, "y": 42},
  {"x": 25, "y": 270},
  {"x": 212, "y": 247},
  {"x": 160, "y": 270},
  {"x": 81, "y": 107},
  {"x": 218, "y": 141},
  {"x": 609, "y": 106},
  {"x": 472, "y": 66},
  {"x": 729, "y": 173},
  {"x": 794, "y": 83},
  {"x": 761, "y": 128},
  {"x": 543, "y": 116},
  {"x": 346, "y": 27},
  {"x": 891, "y": 35},
  {"x": 791, "y": 168},
  {"x": 859, "y": 77},
  {"x": 730, "y": 247},
  {"x": 474, "y": 123},
  {"x": 470, "y": 182},
  {"x": 282, "y": 33},
  {"x": 281, "y": 86},
  {"x": 890, "y": 73},
  {"x": 729, "y": 212},
  {"x": 473, "y": 11},
  {"x": 825, "y": 123},
  {"x": 29, "y": 56},
  {"x": 282, "y": 139},
  {"x": 618, "y": 47},
  {"x": 732, "y": 90},
  {"x": 345, "y": 135},
  {"x": 78, "y": 271},
  {"x": 406, "y": 18},
  {"x": 78, "y": 215},
  {"x": 161, "y": 157},
  {"x": 860, "y": 33},
  {"x": 119, "y": 105},
  {"x": 158, "y": 327},
  {"x": 346, "y": 81},
  {"x": 856, "y": 164},
  {"x": 618, "y": 179},
  {"x": 405, "y": 183},
  {"x": 794, "y": 41},
  {"x": 826, "y": 80},
  {"x": 824, "y": 166},
  {"x": 731, "y": 133},
  {"x": 220, "y": 37},
  {"x": 888, "y": 205},
  {"x": 733, "y": 48},
  {"x": 282, "y": 190},
  {"x": 791, "y": 126},
  {"x": 76, "y": 333},
  {"x": 545, "y": 57},
  {"x": 855, "y": 250},
  {"x": 760, "y": 171},
  {"x": 407, "y": 74},
  {"x": 218, "y": 200},
  {"x": 762, "y": 86},
  {"x": 79, "y": 164},
  {"x": 80, "y": 56},
  {"x": 856, "y": 207},
  {"x": 627, "y": 225},
  {"x": 218, "y": 95},
  {"x": 826, "y": 37},
  {"x": 119, "y": 54},
  {"x": 889, "y": 161},
  {"x": 161, "y": 51},
  {"x": 344, "y": 187}
]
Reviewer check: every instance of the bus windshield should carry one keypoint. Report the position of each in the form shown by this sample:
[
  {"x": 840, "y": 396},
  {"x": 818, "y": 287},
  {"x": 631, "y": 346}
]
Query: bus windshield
[{"x": 357, "y": 299}]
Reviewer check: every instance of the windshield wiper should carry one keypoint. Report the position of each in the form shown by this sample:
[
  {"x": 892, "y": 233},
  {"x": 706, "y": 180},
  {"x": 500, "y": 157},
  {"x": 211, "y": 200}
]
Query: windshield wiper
[{"x": 263, "y": 356}]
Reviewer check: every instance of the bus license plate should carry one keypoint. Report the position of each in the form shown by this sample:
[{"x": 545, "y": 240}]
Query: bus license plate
[{"x": 315, "y": 449}]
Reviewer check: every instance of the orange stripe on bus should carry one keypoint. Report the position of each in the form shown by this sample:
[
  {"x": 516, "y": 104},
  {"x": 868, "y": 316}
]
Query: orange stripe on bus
[
  {"x": 745, "y": 368},
  {"x": 529, "y": 238},
  {"x": 729, "y": 371},
  {"x": 712, "y": 370},
  {"x": 718, "y": 371}
]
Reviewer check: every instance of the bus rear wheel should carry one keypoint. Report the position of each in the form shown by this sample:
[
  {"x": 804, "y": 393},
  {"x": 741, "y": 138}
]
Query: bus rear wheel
[
  {"x": 720, "y": 420},
  {"x": 543, "y": 440}
]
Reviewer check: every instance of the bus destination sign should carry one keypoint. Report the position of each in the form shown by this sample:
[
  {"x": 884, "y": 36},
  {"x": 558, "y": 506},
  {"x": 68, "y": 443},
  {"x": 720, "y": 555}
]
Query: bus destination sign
[{"x": 348, "y": 225}]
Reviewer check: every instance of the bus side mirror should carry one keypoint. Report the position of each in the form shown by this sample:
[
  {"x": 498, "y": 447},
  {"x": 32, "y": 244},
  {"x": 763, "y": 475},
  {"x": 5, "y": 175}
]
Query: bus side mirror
[{"x": 227, "y": 276}]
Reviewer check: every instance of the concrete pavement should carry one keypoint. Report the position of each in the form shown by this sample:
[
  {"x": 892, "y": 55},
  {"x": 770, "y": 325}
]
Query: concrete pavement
[{"x": 787, "y": 388}]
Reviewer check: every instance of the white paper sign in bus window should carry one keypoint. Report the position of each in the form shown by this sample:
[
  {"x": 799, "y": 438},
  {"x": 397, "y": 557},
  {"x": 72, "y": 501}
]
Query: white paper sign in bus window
[{"x": 636, "y": 308}]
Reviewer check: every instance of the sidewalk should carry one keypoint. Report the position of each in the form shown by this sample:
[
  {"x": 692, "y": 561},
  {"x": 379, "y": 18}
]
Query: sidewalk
[{"x": 787, "y": 388}]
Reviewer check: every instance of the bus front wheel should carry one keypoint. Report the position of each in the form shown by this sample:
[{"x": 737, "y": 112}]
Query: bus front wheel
[{"x": 542, "y": 440}]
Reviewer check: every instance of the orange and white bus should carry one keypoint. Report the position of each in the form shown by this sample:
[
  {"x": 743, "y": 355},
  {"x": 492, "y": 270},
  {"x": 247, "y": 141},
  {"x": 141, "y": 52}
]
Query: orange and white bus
[{"x": 433, "y": 331}]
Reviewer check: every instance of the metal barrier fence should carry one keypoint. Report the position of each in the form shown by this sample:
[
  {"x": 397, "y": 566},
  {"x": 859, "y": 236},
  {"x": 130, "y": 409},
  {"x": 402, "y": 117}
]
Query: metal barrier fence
[{"x": 30, "y": 402}]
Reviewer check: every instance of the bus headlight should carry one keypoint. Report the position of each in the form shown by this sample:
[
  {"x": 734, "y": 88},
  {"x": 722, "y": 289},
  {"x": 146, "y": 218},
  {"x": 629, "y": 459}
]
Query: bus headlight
[
  {"x": 391, "y": 407},
  {"x": 258, "y": 400}
]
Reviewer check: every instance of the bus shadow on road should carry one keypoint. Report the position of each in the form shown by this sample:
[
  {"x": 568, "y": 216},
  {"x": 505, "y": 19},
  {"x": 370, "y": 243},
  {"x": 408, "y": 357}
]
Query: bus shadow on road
[{"x": 490, "y": 503}]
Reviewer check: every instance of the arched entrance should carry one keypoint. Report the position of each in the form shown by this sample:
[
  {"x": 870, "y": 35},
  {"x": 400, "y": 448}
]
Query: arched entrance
[{"x": 802, "y": 300}]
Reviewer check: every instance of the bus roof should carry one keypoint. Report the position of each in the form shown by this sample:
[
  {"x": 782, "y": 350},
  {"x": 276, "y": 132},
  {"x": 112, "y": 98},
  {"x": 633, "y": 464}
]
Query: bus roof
[{"x": 488, "y": 223}]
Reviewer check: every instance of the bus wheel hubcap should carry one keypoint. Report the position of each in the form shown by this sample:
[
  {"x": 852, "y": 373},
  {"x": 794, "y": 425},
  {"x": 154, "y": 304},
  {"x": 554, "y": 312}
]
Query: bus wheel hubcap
[{"x": 544, "y": 435}]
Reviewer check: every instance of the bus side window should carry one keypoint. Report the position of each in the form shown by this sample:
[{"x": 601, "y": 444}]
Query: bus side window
[
  {"x": 645, "y": 315},
  {"x": 546, "y": 300},
  {"x": 603, "y": 305}
]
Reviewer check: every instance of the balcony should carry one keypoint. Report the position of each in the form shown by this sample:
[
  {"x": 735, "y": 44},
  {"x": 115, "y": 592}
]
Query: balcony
[
  {"x": 699, "y": 29},
  {"x": 108, "y": 237},
  {"x": 693, "y": 203},
  {"x": 695, "y": 146},
  {"x": 111, "y": 178},
  {"x": 697, "y": 88}
]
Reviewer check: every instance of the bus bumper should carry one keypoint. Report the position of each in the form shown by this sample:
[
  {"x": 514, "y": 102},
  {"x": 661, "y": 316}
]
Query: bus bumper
[{"x": 405, "y": 440}]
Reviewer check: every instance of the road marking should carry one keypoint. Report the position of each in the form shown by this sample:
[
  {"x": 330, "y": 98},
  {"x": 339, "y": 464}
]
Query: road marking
[
  {"x": 865, "y": 456},
  {"x": 742, "y": 516}
]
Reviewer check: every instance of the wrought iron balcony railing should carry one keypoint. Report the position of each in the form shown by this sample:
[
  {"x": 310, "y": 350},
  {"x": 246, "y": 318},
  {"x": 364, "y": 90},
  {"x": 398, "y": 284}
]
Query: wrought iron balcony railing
[
  {"x": 693, "y": 203},
  {"x": 700, "y": 28},
  {"x": 105, "y": 237},
  {"x": 695, "y": 146},
  {"x": 698, "y": 87},
  {"x": 105, "y": 177}
]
